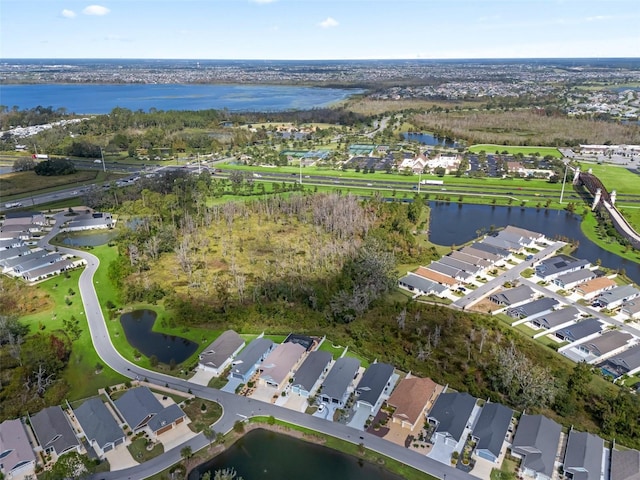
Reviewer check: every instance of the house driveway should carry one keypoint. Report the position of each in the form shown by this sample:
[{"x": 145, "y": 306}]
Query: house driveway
[
  {"x": 359, "y": 417},
  {"x": 296, "y": 402},
  {"x": 202, "y": 377},
  {"x": 232, "y": 384},
  {"x": 176, "y": 436},
  {"x": 120, "y": 458},
  {"x": 441, "y": 451}
]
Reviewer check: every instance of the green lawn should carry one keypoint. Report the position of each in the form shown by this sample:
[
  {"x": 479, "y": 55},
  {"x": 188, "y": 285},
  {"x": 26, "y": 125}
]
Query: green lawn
[
  {"x": 513, "y": 150},
  {"x": 335, "y": 351},
  {"x": 139, "y": 452},
  {"x": 80, "y": 373},
  {"x": 506, "y": 472},
  {"x": 616, "y": 178},
  {"x": 363, "y": 361},
  {"x": 202, "y": 418},
  {"x": 588, "y": 227}
]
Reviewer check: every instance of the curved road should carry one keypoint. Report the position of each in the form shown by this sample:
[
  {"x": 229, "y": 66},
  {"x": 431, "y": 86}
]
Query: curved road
[{"x": 234, "y": 407}]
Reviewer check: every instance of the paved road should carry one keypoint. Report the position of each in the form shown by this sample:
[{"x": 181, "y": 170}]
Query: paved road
[
  {"x": 509, "y": 276},
  {"x": 234, "y": 407}
]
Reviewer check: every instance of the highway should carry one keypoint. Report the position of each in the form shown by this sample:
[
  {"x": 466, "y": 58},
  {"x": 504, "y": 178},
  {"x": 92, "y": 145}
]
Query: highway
[{"x": 234, "y": 407}]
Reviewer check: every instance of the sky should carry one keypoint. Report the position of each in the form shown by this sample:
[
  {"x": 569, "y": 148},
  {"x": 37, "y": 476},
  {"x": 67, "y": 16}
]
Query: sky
[{"x": 319, "y": 29}]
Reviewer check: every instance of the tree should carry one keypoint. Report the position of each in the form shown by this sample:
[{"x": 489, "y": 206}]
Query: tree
[
  {"x": 71, "y": 466},
  {"x": 226, "y": 474},
  {"x": 24, "y": 164}
]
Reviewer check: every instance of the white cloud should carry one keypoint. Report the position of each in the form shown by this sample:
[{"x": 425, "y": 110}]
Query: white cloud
[
  {"x": 97, "y": 10},
  {"x": 328, "y": 22},
  {"x": 68, "y": 13}
]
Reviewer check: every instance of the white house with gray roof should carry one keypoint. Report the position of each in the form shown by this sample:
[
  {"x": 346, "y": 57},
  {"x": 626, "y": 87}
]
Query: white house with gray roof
[
  {"x": 375, "y": 380},
  {"x": 573, "y": 279},
  {"x": 54, "y": 432},
  {"x": 450, "y": 415},
  {"x": 583, "y": 458},
  {"x": 604, "y": 345},
  {"x": 490, "y": 431},
  {"x": 551, "y": 268},
  {"x": 536, "y": 443},
  {"x": 335, "y": 388},
  {"x": 580, "y": 330},
  {"x": 219, "y": 355},
  {"x": 17, "y": 459},
  {"x": 307, "y": 378},
  {"x": 99, "y": 426},
  {"x": 617, "y": 296},
  {"x": 538, "y": 307},
  {"x": 90, "y": 221},
  {"x": 512, "y": 296},
  {"x": 142, "y": 411},
  {"x": 631, "y": 308},
  {"x": 420, "y": 285},
  {"x": 248, "y": 360},
  {"x": 557, "y": 318},
  {"x": 626, "y": 362}
]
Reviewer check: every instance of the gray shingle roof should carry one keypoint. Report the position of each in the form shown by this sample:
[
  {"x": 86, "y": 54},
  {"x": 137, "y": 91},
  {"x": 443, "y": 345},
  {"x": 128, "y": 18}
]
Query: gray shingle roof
[
  {"x": 309, "y": 372},
  {"x": 136, "y": 405},
  {"x": 422, "y": 284},
  {"x": 557, "y": 317},
  {"x": 53, "y": 430},
  {"x": 339, "y": 377},
  {"x": 373, "y": 382},
  {"x": 537, "y": 440},
  {"x": 97, "y": 422},
  {"x": 627, "y": 360},
  {"x": 607, "y": 342},
  {"x": 166, "y": 416},
  {"x": 583, "y": 457},
  {"x": 452, "y": 410},
  {"x": 625, "y": 465},
  {"x": 577, "y": 276},
  {"x": 221, "y": 349},
  {"x": 617, "y": 294},
  {"x": 14, "y": 438},
  {"x": 533, "y": 308},
  {"x": 250, "y": 355},
  {"x": 558, "y": 264},
  {"x": 491, "y": 427},
  {"x": 460, "y": 264},
  {"x": 580, "y": 330},
  {"x": 513, "y": 295}
]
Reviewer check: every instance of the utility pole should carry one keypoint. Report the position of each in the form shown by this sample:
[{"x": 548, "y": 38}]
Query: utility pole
[
  {"x": 104, "y": 168},
  {"x": 564, "y": 180}
]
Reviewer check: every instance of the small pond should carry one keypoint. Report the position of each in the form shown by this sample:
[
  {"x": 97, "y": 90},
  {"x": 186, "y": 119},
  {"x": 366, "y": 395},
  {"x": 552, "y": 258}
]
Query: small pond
[
  {"x": 138, "y": 327},
  {"x": 429, "y": 139},
  {"x": 268, "y": 455},
  {"x": 88, "y": 239}
]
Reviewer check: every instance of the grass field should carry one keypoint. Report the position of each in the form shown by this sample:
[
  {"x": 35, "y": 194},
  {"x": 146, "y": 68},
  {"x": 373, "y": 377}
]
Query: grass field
[
  {"x": 335, "y": 351},
  {"x": 616, "y": 178},
  {"x": 588, "y": 227},
  {"x": 514, "y": 150},
  {"x": 80, "y": 373}
]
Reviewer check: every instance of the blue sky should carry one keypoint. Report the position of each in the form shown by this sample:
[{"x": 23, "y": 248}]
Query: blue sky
[{"x": 319, "y": 29}]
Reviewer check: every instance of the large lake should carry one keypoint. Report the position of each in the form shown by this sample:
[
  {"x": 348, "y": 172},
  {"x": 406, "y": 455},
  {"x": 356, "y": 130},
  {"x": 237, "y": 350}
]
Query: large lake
[
  {"x": 270, "y": 456},
  {"x": 99, "y": 98},
  {"x": 453, "y": 224}
]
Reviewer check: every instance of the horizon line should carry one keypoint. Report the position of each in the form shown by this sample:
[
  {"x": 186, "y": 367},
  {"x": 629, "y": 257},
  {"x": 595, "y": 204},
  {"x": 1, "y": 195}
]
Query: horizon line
[{"x": 3, "y": 60}]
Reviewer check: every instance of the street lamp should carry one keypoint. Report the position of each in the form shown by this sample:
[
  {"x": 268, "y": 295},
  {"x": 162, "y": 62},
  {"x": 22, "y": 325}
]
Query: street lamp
[{"x": 564, "y": 180}]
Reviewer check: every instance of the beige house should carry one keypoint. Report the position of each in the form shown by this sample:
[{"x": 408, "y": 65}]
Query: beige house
[{"x": 411, "y": 399}]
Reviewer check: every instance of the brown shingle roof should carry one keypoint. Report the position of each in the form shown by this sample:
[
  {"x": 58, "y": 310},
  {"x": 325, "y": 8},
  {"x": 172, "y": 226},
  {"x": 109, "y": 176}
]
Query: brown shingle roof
[
  {"x": 410, "y": 397},
  {"x": 595, "y": 285},
  {"x": 435, "y": 276}
]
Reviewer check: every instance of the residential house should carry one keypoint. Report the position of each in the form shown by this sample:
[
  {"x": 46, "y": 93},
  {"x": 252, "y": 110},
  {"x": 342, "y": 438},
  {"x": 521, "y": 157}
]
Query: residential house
[
  {"x": 91, "y": 221},
  {"x": 631, "y": 309},
  {"x": 420, "y": 285},
  {"x": 54, "y": 432},
  {"x": 411, "y": 399},
  {"x": 374, "y": 382},
  {"x": 536, "y": 442},
  {"x": 14, "y": 252},
  {"x": 490, "y": 431},
  {"x": 335, "y": 388},
  {"x": 512, "y": 296},
  {"x": 583, "y": 456},
  {"x": 461, "y": 265},
  {"x": 537, "y": 307},
  {"x": 625, "y": 465},
  {"x": 453, "y": 272},
  {"x": 615, "y": 297},
  {"x": 533, "y": 237},
  {"x": 217, "y": 356},
  {"x": 437, "y": 277},
  {"x": 486, "y": 256},
  {"x": 469, "y": 258},
  {"x": 33, "y": 264},
  {"x": 248, "y": 360},
  {"x": 626, "y": 362},
  {"x": 142, "y": 411},
  {"x": 8, "y": 243},
  {"x": 500, "y": 252},
  {"x": 99, "y": 426},
  {"x": 573, "y": 279},
  {"x": 449, "y": 162},
  {"x": 17, "y": 459},
  {"x": 280, "y": 363},
  {"x": 580, "y": 330},
  {"x": 594, "y": 287},
  {"x": 608, "y": 343},
  {"x": 553, "y": 267},
  {"x": 10, "y": 264},
  {"x": 50, "y": 269},
  {"x": 307, "y": 378},
  {"x": 450, "y": 415},
  {"x": 557, "y": 318},
  {"x": 507, "y": 242}
]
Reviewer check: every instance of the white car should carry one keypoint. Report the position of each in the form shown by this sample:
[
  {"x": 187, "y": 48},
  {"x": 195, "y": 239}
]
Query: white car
[{"x": 321, "y": 408}]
